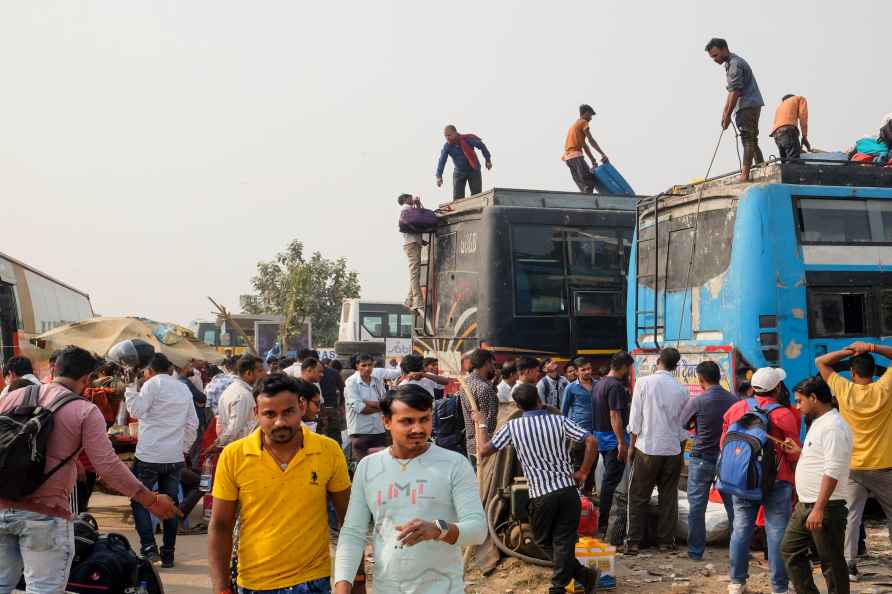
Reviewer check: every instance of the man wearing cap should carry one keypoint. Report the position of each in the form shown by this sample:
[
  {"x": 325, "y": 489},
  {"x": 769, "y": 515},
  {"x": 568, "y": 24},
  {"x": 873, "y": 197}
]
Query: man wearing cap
[
  {"x": 766, "y": 383},
  {"x": 574, "y": 146}
]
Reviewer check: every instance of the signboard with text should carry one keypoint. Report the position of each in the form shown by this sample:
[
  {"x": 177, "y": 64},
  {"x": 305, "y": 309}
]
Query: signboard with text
[{"x": 686, "y": 372}]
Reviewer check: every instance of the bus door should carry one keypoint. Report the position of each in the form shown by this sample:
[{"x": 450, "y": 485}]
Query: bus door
[
  {"x": 597, "y": 326},
  {"x": 8, "y": 319}
]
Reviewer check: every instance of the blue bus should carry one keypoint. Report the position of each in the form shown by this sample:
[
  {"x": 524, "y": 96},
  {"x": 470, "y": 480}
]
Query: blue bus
[{"x": 773, "y": 272}]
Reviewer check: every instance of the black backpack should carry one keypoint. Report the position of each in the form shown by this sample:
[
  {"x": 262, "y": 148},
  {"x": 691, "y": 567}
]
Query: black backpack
[
  {"x": 110, "y": 566},
  {"x": 24, "y": 433},
  {"x": 449, "y": 424}
]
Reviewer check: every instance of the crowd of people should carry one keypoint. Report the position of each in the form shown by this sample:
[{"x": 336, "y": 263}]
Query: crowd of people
[{"x": 398, "y": 450}]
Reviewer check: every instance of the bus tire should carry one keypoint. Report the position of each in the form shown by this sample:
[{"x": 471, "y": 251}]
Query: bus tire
[{"x": 345, "y": 347}]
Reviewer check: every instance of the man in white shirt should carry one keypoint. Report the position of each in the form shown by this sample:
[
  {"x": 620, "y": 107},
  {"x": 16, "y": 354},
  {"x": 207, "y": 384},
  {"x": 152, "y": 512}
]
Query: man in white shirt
[
  {"x": 821, "y": 485},
  {"x": 18, "y": 368},
  {"x": 412, "y": 244},
  {"x": 551, "y": 387},
  {"x": 363, "y": 392},
  {"x": 167, "y": 429},
  {"x": 509, "y": 380},
  {"x": 235, "y": 418},
  {"x": 656, "y": 448}
]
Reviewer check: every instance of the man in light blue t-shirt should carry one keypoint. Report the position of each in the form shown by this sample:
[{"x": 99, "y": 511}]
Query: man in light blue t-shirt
[{"x": 423, "y": 501}]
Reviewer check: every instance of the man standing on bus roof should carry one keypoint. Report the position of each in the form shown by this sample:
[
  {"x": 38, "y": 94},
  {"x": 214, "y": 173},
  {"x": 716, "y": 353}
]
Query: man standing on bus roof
[
  {"x": 866, "y": 405},
  {"x": 412, "y": 244},
  {"x": 792, "y": 109},
  {"x": 744, "y": 101},
  {"x": 575, "y": 144},
  {"x": 466, "y": 166}
]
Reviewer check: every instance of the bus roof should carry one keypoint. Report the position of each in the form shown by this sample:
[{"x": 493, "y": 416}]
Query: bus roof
[
  {"x": 811, "y": 172},
  {"x": 538, "y": 199},
  {"x": 717, "y": 191},
  {"x": 43, "y": 274}
]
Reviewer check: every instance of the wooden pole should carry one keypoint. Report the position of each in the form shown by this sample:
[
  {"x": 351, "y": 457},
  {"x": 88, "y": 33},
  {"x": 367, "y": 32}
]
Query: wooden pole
[
  {"x": 225, "y": 314},
  {"x": 472, "y": 402}
]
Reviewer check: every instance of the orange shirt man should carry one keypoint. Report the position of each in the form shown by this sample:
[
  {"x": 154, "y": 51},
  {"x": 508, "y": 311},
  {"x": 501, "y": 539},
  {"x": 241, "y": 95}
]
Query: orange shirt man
[
  {"x": 793, "y": 109},
  {"x": 574, "y": 147}
]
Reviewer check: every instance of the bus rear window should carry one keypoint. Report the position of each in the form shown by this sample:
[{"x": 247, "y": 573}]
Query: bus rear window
[
  {"x": 538, "y": 269},
  {"x": 596, "y": 303},
  {"x": 851, "y": 221},
  {"x": 839, "y": 313}
]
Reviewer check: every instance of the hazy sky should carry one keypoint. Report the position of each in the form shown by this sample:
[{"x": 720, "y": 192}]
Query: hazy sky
[{"x": 153, "y": 152}]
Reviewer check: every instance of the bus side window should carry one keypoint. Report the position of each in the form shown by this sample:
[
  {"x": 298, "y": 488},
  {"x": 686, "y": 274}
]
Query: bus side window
[
  {"x": 393, "y": 325},
  {"x": 406, "y": 325},
  {"x": 373, "y": 325}
]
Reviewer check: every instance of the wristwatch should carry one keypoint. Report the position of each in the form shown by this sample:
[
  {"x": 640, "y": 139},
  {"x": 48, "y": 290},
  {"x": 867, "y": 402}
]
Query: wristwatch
[{"x": 443, "y": 526}]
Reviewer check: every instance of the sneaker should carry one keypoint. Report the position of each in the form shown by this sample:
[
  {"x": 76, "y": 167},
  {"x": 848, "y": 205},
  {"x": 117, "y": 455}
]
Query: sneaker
[
  {"x": 167, "y": 562},
  {"x": 151, "y": 555},
  {"x": 606, "y": 582},
  {"x": 854, "y": 576},
  {"x": 694, "y": 557},
  {"x": 736, "y": 588},
  {"x": 631, "y": 549}
]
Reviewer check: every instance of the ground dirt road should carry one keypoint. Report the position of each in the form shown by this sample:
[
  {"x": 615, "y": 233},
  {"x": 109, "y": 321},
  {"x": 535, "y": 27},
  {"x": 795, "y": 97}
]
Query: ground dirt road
[{"x": 648, "y": 573}]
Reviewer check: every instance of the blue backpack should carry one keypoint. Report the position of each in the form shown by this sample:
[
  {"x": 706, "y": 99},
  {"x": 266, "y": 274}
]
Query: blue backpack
[{"x": 747, "y": 465}]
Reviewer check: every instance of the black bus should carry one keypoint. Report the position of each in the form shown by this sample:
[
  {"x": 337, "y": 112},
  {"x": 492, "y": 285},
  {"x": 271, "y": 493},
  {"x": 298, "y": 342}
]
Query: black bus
[{"x": 527, "y": 272}]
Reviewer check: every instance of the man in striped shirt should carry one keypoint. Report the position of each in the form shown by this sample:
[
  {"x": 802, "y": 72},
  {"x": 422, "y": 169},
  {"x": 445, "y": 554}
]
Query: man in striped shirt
[{"x": 542, "y": 443}]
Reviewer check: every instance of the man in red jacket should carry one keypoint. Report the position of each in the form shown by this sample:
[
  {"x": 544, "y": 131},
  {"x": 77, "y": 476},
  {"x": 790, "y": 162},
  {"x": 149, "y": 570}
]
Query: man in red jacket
[{"x": 766, "y": 383}]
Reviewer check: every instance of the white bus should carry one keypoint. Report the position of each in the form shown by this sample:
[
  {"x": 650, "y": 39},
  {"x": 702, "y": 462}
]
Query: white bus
[
  {"x": 32, "y": 303},
  {"x": 375, "y": 322}
]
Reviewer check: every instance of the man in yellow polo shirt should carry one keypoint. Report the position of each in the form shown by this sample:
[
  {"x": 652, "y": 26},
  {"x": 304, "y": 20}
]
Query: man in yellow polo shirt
[
  {"x": 866, "y": 405},
  {"x": 277, "y": 480}
]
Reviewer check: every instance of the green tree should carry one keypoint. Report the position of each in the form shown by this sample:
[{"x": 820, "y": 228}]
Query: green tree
[{"x": 301, "y": 289}]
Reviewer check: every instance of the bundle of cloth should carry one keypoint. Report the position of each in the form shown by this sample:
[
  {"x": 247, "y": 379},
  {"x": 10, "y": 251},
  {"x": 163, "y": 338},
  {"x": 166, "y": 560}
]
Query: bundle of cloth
[{"x": 877, "y": 149}]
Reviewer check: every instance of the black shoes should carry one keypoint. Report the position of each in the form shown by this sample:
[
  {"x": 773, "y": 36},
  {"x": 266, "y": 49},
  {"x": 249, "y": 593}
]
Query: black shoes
[
  {"x": 166, "y": 558},
  {"x": 151, "y": 555}
]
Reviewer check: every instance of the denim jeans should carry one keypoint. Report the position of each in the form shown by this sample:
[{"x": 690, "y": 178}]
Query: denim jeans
[
  {"x": 167, "y": 478},
  {"x": 40, "y": 546},
  {"x": 701, "y": 476},
  {"x": 778, "y": 507},
  {"x": 613, "y": 474},
  {"x": 320, "y": 586}
]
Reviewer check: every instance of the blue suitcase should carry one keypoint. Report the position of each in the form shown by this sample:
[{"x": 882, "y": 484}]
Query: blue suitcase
[{"x": 609, "y": 181}]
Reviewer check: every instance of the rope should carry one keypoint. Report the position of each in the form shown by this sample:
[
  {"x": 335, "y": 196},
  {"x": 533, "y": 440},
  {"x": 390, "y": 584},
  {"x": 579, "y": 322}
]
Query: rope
[
  {"x": 694, "y": 238},
  {"x": 737, "y": 143}
]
